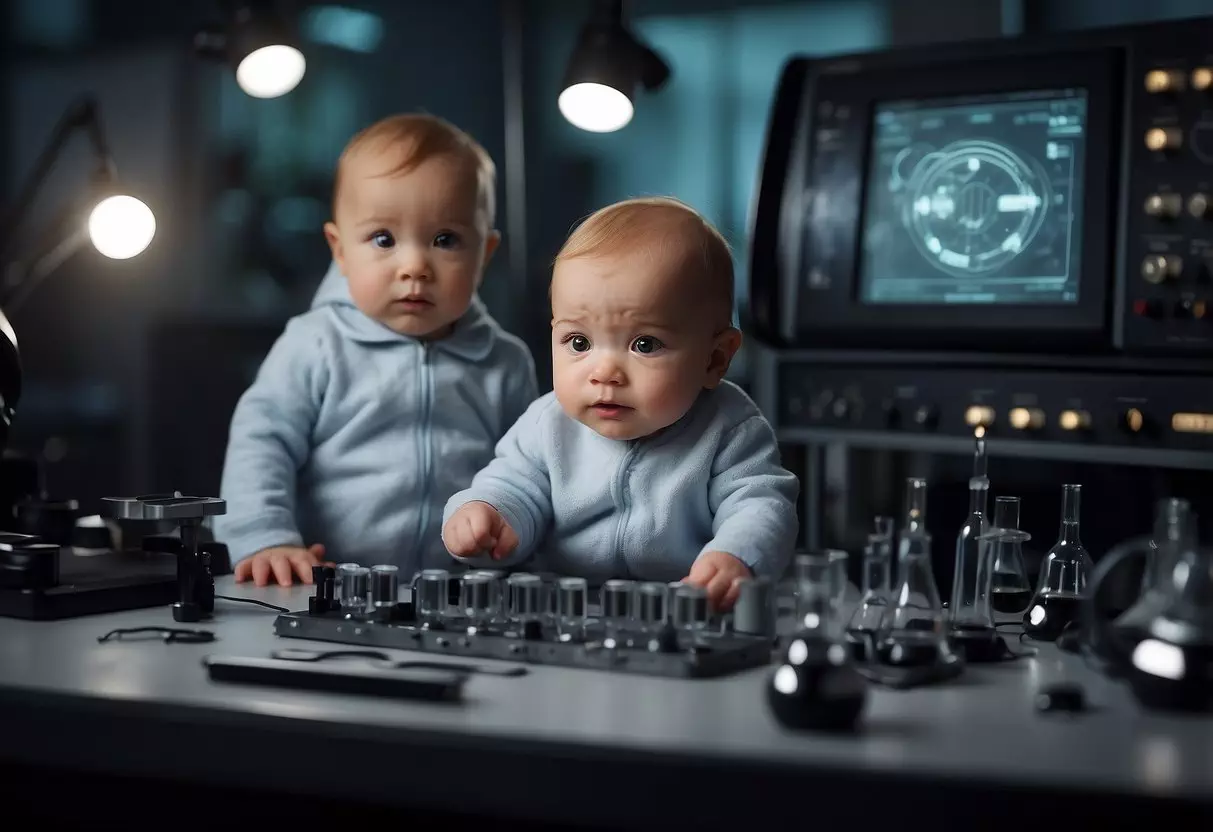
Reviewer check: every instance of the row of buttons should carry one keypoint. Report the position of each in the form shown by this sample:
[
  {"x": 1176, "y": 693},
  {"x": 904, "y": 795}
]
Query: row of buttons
[
  {"x": 1185, "y": 309},
  {"x": 1133, "y": 420}
]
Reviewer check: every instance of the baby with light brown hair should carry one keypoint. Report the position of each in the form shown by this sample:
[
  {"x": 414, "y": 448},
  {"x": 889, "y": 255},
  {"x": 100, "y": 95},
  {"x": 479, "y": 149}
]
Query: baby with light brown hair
[
  {"x": 644, "y": 462},
  {"x": 389, "y": 394}
]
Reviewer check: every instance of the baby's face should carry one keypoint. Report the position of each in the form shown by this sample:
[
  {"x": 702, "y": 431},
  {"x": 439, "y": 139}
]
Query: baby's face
[
  {"x": 634, "y": 341},
  {"x": 413, "y": 246}
]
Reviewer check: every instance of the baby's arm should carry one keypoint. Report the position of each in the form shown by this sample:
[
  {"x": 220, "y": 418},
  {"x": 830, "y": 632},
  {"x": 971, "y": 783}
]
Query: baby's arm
[
  {"x": 516, "y": 484},
  {"x": 753, "y": 500},
  {"x": 270, "y": 440}
]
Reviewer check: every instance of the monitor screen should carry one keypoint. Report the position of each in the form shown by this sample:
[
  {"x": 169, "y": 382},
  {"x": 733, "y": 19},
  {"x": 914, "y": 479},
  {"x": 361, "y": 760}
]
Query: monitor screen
[{"x": 975, "y": 200}]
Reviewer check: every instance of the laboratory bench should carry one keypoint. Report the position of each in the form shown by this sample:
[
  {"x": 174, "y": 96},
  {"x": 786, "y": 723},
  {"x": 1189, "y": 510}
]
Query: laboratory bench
[{"x": 134, "y": 729}]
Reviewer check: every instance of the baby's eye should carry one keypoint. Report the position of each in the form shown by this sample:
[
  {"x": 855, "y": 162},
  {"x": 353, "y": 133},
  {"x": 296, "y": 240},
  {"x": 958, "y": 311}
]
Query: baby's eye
[
  {"x": 446, "y": 239},
  {"x": 382, "y": 239},
  {"x": 578, "y": 343},
  {"x": 647, "y": 345}
]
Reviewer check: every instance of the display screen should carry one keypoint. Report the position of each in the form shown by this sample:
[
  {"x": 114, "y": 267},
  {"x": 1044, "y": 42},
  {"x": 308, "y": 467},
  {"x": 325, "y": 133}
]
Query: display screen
[{"x": 975, "y": 200}]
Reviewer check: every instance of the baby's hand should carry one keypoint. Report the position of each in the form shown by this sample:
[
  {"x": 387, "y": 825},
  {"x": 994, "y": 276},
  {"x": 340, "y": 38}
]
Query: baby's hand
[
  {"x": 478, "y": 527},
  {"x": 284, "y": 561},
  {"x": 718, "y": 572}
]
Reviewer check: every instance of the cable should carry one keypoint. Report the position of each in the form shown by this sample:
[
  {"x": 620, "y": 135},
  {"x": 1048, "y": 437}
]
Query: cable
[{"x": 273, "y": 607}]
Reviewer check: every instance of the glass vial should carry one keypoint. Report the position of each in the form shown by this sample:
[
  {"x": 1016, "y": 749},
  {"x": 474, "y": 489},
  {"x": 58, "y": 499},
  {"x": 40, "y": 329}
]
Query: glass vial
[
  {"x": 969, "y": 612},
  {"x": 355, "y": 586},
  {"x": 617, "y": 602},
  {"x": 1010, "y": 589},
  {"x": 525, "y": 598},
  {"x": 431, "y": 594},
  {"x": 476, "y": 598},
  {"x": 1063, "y": 575},
  {"x": 913, "y": 631},
  {"x": 385, "y": 585},
  {"x": 572, "y": 597},
  {"x": 650, "y": 613}
]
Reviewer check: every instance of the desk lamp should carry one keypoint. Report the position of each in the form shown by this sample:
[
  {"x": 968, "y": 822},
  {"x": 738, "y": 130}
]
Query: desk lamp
[
  {"x": 119, "y": 226},
  {"x": 259, "y": 42},
  {"x": 606, "y": 66}
]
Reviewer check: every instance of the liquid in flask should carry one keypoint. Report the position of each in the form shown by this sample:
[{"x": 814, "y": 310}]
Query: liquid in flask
[
  {"x": 1063, "y": 576},
  {"x": 1010, "y": 589},
  {"x": 913, "y": 631}
]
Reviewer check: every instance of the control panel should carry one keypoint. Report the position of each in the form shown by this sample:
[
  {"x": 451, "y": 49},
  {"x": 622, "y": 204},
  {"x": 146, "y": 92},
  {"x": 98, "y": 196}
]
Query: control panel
[
  {"x": 1146, "y": 413},
  {"x": 1169, "y": 245}
]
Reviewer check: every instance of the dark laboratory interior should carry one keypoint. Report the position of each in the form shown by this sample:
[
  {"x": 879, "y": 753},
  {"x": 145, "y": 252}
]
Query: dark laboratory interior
[{"x": 964, "y": 573}]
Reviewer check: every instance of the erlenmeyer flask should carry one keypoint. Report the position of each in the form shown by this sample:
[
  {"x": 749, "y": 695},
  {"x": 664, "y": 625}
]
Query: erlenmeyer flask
[
  {"x": 865, "y": 621},
  {"x": 814, "y": 686},
  {"x": 1174, "y": 533},
  {"x": 1010, "y": 589},
  {"x": 1063, "y": 576},
  {"x": 912, "y": 632},
  {"x": 969, "y": 613}
]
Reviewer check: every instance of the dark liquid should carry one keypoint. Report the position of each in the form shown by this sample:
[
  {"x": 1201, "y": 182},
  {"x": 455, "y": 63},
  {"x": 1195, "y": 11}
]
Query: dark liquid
[
  {"x": 860, "y": 641},
  {"x": 1048, "y": 616},
  {"x": 977, "y": 644},
  {"x": 1010, "y": 601}
]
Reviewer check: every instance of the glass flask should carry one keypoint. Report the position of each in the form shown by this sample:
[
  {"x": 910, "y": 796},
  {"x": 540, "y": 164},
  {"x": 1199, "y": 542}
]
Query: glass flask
[
  {"x": 1174, "y": 533},
  {"x": 912, "y": 631},
  {"x": 969, "y": 611},
  {"x": 833, "y": 583},
  {"x": 1063, "y": 576},
  {"x": 877, "y": 560},
  {"x": 1010, "y": 589},
  {"x": 814, "y": 686}
]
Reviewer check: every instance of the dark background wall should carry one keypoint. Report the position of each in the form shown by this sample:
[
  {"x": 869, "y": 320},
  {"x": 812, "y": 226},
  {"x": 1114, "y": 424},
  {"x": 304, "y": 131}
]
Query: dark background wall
[{"x": 132, "y": 368}]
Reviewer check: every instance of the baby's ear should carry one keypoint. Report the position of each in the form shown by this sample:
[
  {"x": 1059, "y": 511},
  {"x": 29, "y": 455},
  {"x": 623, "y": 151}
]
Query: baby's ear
[
  {"x": 724, "y": 347},
  {"x": 334, "y": 241}
]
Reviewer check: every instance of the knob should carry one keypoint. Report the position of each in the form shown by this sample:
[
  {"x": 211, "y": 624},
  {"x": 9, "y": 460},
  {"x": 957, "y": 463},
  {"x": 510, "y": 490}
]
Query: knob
[
  {"x": 476, "y": 597},
  {"x": 1133, "y": 420},
  {"x": 1157, "y": 268},
  {"x": 840, "y": 408},
  {"x": 1164, "y": 80},
  {"x": 1202, "y": 78},
  {"x": 979, "y": 416},
  {"x": 355, "y": 586},
  {"x": 1198, "y": 205},
  {"x": 1164, "y": 138},
  {"x": 325, "y": 600},
  {"x": 385, "y": 586},
  {"x": 926, "y": 417},
  {"x": 691, "y": 607},
  {"x": 650, "y": 605},
  {"x": 1074, "y": 420},
  {"x": 1164, "y": 206},
  {"x": 526, "y": 597},
  {"x": 1027, "y": 418}
]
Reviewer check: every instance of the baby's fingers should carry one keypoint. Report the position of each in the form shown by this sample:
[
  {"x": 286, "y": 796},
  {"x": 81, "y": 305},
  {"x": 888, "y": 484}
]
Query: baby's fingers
[
  {"x": 281, "y": 564},
  {"x": 718, "y": 588},
  {"x": 507, "y": 541}
]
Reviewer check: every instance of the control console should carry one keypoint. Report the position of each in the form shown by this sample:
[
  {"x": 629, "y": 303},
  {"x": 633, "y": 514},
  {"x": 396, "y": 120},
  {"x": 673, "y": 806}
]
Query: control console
[{"x": 624, "y": 626}]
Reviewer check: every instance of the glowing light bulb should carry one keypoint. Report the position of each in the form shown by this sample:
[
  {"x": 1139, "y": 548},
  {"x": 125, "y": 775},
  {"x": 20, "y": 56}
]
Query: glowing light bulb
[
  {"x": 596, "y": 108},
  {"x": 271, "y": 71},
  {"x": 121, "y": 227}
]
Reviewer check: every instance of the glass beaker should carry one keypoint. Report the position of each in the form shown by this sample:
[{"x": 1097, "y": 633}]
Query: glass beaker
[
  {"x": 865, "y": 620},
  {"x": 912, "y": 632},
  {"x": 833, "y": 583},
  {"x": 1063, "y": 576},
  {"x": 1174, "y": 532},
  {"x": 1010, "y": 589}
]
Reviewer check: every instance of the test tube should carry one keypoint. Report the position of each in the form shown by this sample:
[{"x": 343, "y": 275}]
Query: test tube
[
  {"x": 691, "y": 608},
  {"x": 385, "y": 585},
  {"x": 430, "y": 596},
  {"x": 650, "y": 606},
  {"x": 572, "y": 595},
  {"x": 617, "y": 595},
  {"x": 355, "y": 585}
]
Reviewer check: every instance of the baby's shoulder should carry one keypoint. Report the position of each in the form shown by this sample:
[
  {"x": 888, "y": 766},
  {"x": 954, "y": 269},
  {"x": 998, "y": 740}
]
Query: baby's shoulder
[{"x": 729, "y": 407}]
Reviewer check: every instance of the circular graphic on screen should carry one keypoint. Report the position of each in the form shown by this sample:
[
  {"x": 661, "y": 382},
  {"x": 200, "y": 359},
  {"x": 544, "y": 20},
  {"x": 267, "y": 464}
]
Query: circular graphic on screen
[{"x": 973, "y": 206}]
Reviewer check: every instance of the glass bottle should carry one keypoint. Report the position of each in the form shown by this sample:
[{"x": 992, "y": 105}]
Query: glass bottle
[
  {"x": 1010, "y": 589},
  {"x": 1173, "y": 535},
  {"x": 969, "y": 611},
  {"x": 1063, "y": 576},
  {"x": 814, "y": 686},
  {"x": 874, "y": 601},
  {"x": 912, "y": 631}
]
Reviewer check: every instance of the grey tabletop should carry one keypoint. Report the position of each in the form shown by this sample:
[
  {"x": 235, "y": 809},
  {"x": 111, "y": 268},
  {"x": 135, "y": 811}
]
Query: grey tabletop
[{"x": 981, "y": 728}]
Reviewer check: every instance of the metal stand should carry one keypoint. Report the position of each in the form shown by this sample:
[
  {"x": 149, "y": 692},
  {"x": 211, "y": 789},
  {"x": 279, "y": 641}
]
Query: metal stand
[{"x": 195, "y": 580}]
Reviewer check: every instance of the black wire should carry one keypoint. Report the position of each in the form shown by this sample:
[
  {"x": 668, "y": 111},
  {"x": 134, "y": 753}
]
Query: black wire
[{"x": 273, "y": 607}]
